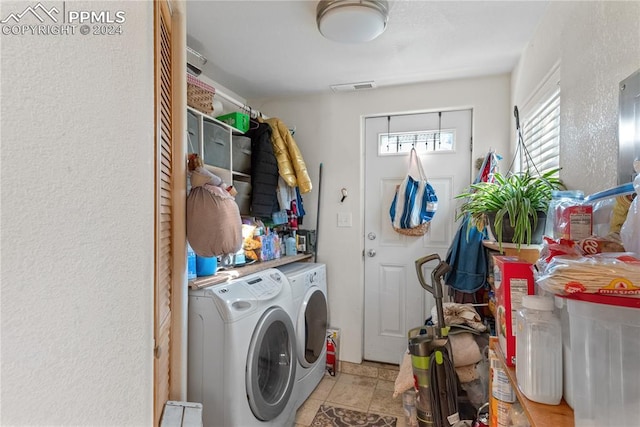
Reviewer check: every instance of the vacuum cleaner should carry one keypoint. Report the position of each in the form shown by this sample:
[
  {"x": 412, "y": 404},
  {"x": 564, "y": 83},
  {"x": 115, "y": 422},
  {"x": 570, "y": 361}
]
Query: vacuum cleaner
[{"x": 432, "y": 358}]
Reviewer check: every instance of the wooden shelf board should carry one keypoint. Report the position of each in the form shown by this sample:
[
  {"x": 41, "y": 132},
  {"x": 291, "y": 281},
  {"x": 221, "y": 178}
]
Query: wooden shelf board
[
  {"x": 226, "y": 275},
  {"x": 491, "y": 244},
  {"x": 539, "y": 414},
  {"x": 528, "y": 253}
]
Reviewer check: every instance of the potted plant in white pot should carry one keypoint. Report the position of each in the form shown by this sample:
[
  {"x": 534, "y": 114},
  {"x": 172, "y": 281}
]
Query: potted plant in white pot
[{"x": 513, "y": 206}]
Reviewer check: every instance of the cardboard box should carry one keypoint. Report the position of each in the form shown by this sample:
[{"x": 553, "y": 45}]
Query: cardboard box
[{"x": 513, "y": 279}]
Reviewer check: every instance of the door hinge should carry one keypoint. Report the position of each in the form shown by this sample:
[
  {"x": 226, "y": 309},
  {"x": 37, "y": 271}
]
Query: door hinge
[{"x": 471, "y": 144}]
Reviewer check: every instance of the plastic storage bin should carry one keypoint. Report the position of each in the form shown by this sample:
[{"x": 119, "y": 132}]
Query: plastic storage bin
[
  {"x": 239, "y": 121},
  {"x": 216, "y": 145},
  {"x": 567, "y": 360},
  {"x": 605, "y": 346},
  {"x": 243, "y": 198},
  {"x": 241, "y": 154},
  {"x": 539, "y": 350}
]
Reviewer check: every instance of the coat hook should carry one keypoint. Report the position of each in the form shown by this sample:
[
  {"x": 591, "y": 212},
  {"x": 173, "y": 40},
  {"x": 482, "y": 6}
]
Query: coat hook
[{"x": 344, "y": 194}]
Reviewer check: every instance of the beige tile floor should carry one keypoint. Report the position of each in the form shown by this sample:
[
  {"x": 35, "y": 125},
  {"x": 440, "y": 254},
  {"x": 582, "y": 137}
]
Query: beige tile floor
[{"x": 367, "y": 387}]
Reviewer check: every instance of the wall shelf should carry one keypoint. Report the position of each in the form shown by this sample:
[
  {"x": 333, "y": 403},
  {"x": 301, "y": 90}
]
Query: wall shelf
[
  {"x": 226, "y": 275},
  {"x": 539, "y": 414},
  {"x": 225, "y": 152}
]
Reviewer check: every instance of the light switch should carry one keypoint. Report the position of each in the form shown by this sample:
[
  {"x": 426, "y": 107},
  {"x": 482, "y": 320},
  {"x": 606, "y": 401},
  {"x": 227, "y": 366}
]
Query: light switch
[{"x": 344, "y": 219}]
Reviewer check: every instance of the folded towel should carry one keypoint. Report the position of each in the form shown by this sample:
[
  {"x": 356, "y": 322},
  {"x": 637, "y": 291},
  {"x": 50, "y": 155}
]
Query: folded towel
[
  {"x": 465, "y": 349},
  {"x": 459, "y": 314}
]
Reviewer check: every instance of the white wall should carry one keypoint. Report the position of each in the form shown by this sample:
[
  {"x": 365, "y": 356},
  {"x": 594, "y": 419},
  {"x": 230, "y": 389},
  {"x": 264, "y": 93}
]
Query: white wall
[
  {"x": 598, "y": 45},
  {"x": 77, "y": 185},
  {"x": 328, "y": 131}
]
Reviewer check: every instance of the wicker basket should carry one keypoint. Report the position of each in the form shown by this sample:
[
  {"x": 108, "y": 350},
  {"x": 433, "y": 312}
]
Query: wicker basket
[
  {"x": 199, "y": 95},
  {"x": 420, "y": 230}
]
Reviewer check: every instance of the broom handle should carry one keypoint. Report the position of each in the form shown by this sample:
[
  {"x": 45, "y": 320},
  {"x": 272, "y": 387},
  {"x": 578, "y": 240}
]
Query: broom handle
[{"x": 315, "y": 255}]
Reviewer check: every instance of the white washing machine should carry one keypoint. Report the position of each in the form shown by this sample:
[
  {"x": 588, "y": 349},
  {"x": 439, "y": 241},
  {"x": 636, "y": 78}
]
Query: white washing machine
[
  {"x": 241, "y": 352},
  {"x": 309, "y": 286}
]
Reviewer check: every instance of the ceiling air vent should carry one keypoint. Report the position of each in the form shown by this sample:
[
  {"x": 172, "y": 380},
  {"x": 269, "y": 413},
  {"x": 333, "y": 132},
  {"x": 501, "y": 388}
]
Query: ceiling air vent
[{"x": 350, "y": 87}]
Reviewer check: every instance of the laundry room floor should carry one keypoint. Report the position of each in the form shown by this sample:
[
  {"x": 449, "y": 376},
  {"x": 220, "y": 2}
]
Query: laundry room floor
[{"x": 367, "y": 387}]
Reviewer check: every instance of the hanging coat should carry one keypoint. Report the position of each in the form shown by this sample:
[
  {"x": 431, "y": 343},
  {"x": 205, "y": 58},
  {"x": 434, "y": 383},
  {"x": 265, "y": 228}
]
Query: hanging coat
[
  {"x": 291, "y": 165},
  {"x": 264, "y": 172},
  {"x": 467, "y": 258}
]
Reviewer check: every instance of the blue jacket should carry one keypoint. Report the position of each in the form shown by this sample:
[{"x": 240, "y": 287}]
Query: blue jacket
[{"x": 467, "y": 259}]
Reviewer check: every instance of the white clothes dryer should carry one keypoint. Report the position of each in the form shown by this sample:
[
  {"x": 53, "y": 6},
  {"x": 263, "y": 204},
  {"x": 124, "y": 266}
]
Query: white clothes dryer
[
  {"x": 241, "y": 352},
  {"x": 309, "y": 287}
]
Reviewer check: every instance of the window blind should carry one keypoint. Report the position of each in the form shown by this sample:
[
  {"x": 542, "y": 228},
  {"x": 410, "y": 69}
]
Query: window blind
[{"x": 541, "y": 135}]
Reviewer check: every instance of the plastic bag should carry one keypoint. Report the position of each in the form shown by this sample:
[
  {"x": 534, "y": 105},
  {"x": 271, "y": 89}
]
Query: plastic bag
[
  {"x": 630, "y": 231},
  {"x": 612, "y": 273}
]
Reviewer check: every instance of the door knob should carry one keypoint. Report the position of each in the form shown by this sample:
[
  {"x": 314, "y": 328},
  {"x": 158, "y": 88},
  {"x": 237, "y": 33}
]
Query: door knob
[
  {"x": 371, "y": 236},
  {"x": 371, "y": 253}
]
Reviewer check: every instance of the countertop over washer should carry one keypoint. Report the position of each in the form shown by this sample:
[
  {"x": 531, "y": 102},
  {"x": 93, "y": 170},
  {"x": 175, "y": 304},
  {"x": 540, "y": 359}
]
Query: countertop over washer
[{"x": 226, "y": 275}]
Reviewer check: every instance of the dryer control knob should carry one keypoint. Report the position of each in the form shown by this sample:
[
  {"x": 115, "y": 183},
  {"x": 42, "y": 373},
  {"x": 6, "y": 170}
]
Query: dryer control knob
[{"x": 276, "y": 277}]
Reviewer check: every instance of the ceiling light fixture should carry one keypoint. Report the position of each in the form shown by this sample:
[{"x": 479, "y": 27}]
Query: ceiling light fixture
[{"x": 352, "y": 21}]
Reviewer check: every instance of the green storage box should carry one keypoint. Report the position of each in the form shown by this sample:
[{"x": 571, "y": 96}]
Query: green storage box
[{"x": 239, "y": 121}]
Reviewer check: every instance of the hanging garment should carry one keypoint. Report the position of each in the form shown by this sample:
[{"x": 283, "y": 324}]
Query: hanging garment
[
  {"x": 301, "y": 211},
  {"x": 291, "y": 165},
  {"x": 467, "y": 256},
  {"x": 488, "y": 168},
  {"x": 467, "y": 259},
  {"x": 286, "y": 194},
  {"x": 264, "y": 172}
]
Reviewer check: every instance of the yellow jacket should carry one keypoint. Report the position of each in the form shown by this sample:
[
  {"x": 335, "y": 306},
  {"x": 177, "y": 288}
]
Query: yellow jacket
[
  {"x": 619, "y": 214},
  {"x": 290, "y": 162}
]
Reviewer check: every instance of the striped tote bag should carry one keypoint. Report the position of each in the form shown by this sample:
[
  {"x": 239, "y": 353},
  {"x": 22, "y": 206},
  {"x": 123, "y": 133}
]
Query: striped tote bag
[{"x": 414, "y": 203}]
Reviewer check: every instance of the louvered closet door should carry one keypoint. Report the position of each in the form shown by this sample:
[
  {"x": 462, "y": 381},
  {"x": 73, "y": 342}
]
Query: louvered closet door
[{"x": 164, "y": 215}]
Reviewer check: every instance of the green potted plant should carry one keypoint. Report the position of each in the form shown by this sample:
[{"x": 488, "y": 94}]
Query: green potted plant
[{"x": 519, "y": 201}]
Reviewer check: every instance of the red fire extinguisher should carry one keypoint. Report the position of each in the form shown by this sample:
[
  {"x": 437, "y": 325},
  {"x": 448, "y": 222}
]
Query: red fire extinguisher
[{"x": 331, "y": 357}]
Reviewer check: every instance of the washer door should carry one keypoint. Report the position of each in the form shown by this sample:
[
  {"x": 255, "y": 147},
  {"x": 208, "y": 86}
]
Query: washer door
[
  {"x": 312, "y": 322},
  {"x": 271, "y": 367}
]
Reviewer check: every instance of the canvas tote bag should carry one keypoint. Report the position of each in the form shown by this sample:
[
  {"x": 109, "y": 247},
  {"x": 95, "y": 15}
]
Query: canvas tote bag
[{"x": 415, "y": 201}]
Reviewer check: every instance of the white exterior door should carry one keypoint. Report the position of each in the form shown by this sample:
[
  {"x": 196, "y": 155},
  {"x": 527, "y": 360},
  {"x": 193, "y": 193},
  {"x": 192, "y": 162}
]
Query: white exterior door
[{"x": 394, "y": 300}]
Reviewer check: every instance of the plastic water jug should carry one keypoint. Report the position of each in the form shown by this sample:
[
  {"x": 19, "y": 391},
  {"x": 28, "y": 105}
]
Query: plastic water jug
[
  {"x": 290, "y": 245},
  {"x": 191, "y": 263},
  {"x": 539, "y": 350}
]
